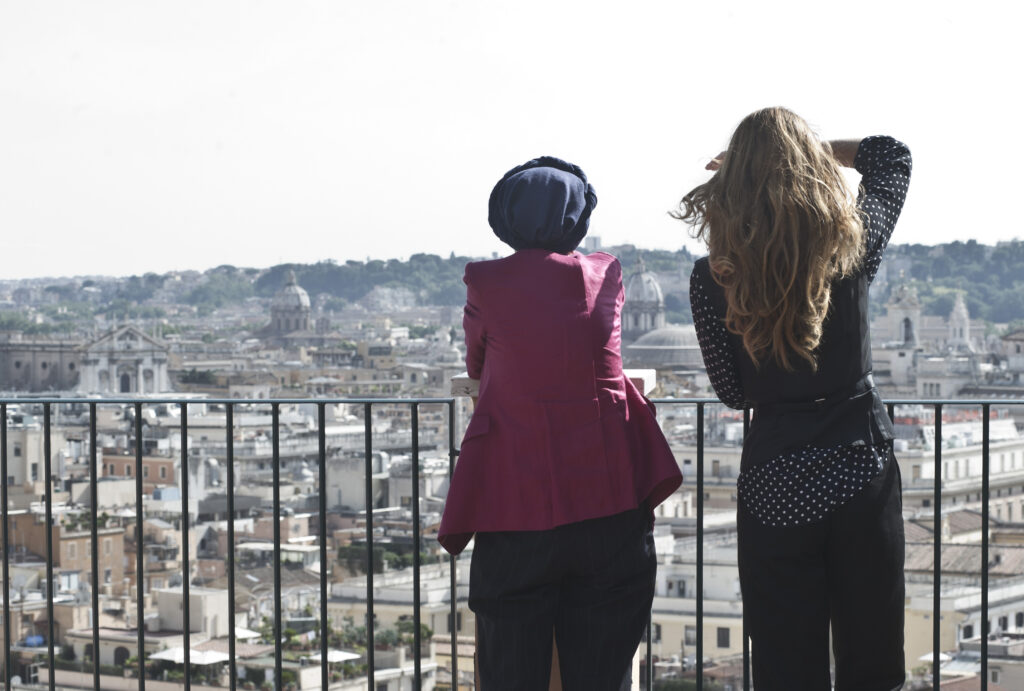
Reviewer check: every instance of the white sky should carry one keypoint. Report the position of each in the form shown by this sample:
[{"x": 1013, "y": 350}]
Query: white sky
[{"x": 143, "y": 135}]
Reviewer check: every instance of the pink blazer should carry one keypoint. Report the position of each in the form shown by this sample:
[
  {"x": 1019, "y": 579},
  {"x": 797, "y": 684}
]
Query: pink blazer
[{"x": 558, "y": 434}]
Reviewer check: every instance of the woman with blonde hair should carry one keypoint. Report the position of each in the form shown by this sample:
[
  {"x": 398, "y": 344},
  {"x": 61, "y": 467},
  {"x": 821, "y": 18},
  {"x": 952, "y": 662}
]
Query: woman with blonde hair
[{"x": 781, "y": 313}]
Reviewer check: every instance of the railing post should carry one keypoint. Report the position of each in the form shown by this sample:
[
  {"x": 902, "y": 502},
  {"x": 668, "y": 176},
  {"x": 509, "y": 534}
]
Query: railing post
[
  {"x": 700, "y": 547},
  {"x": 229, "y": 434},
  {"x": 140, "y": 610},
  {"x": 415, "y": 474},
  {"x": 325, "y": 627},
  {"x": 937, "y": 549},
  {"x": 186, "y": 582},
  {"x": 453, "y": 629},
  {"x": 368, "y": 430},
  {"x": 746, "y": 639},
  {"x": 985, "y": 465},
  {"x": 275, "y": 412},
  {"x": 93, "y": 533},
  {"x": 48, "y": 473},
  {"x": 7, "y": 551}
]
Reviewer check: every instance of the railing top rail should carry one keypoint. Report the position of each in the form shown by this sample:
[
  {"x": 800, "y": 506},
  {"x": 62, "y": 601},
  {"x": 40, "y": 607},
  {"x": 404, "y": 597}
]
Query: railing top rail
[
  {"x": 28, "y": 398},
  {"x": 894, "y": 401},
  {"x": 177, "y": 400}
]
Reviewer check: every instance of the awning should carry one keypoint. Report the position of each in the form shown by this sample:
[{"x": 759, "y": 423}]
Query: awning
[
  {"x": 196, "y": 657},
  {"x": 337, "y": 656}
]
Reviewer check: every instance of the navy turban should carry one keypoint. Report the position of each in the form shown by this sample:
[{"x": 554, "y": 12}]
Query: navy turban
[{"x": 542, "y": 204}]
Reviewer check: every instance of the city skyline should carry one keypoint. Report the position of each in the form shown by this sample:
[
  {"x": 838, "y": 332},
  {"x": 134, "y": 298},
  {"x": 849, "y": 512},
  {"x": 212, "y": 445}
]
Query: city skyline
[{"x": 160, "y": 137}]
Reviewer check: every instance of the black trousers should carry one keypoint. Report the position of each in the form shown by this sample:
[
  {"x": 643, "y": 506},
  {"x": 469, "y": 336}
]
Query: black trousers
[
  {"x": 846, "y": 570},
  {"x": 591, "y": 582}
]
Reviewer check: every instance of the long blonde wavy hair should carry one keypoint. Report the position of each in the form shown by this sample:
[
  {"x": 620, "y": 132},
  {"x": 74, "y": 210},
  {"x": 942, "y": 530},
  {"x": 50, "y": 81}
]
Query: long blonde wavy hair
[{"x": 780, "y": 224}]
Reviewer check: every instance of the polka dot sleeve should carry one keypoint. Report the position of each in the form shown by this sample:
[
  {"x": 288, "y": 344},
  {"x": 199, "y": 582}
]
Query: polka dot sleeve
[
  {"x": 884, "y": 164},
  {"x": 715, "y": 348}
]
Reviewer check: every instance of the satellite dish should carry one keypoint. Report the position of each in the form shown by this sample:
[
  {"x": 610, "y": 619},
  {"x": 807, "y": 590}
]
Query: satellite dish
[{"x": 15, "y": 680}]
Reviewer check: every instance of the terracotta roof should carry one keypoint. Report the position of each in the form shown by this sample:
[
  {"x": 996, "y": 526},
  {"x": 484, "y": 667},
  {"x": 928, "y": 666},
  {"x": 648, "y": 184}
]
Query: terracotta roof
[
  {"x": 1004, "y": 560},
  {"x": 969, "y": 684},
  {"x": 915, "y": 532},
  {"x": 965, "y": 521}
]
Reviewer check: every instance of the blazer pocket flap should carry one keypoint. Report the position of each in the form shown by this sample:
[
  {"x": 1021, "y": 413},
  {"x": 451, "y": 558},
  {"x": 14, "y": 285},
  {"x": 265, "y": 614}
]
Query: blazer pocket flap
[{"x": 478, "y": 425}]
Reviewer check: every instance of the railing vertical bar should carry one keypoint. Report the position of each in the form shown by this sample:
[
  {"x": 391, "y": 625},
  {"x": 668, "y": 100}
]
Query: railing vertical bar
[
  {"x": 140, "y": 574},
  {"x": 325, "y": 627},
  {"x": 937, "y": 547},
  {"x": 453, "y": 582},
  {"x": 891, "y": 407},
  {"x": 649, "y": 659},
  {"x": 416, "y": 540},
  {"x": 229, "y": 439},
  {"x": 48, "y": 478},
  {"x": 985, "y": 466},
  {"x": 95, "y": 541},
  {"x": 700, "y": 547},
  {"x": 7, "y": 552},
  {"x": 186, "y": 566},
  {"x": 368, "y": 439},
  {"x": 275, "y": 409},
  {"x": 746, "y": 639}
]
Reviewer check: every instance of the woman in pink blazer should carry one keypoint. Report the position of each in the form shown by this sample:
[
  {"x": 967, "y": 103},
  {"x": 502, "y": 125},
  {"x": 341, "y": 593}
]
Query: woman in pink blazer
[{"x": 563, "y": 461}]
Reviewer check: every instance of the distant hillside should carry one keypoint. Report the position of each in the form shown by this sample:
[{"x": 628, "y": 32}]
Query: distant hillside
[{"x": 992, "y": 278}]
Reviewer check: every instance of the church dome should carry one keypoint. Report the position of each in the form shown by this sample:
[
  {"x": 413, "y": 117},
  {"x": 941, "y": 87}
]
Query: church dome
[
  {"x": 643, "y": 288},
  {"x": 669, "y": 337},
  {"x": 669, "y": 346},
  {"x": 292, "y": 296}
]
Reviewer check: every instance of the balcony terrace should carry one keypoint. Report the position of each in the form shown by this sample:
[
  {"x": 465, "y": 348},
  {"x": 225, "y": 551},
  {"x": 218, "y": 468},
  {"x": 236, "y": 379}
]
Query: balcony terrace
[{"x": 56, "y": 648}]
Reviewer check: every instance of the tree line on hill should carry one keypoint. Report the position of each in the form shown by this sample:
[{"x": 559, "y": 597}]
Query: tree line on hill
[{"x": 990, "y": 277}]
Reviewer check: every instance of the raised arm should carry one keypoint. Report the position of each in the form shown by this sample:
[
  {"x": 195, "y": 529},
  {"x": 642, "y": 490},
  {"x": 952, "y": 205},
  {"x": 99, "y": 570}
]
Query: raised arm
[{"x": 884, "y": 164}]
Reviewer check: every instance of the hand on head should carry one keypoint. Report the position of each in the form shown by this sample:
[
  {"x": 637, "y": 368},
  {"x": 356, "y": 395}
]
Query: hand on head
[{"x": 716, "y": 162}]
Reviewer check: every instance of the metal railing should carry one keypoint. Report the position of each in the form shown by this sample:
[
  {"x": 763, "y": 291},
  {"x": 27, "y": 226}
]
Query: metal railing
[{"x": 367, "y": 405}]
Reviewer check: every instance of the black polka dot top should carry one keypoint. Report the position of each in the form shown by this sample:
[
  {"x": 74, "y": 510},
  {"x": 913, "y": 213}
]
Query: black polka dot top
[{"x": 804, "y": 485}]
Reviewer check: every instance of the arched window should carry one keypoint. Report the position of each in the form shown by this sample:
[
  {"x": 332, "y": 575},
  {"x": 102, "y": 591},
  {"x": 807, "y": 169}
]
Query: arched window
[{"x": 908, "y": 330}]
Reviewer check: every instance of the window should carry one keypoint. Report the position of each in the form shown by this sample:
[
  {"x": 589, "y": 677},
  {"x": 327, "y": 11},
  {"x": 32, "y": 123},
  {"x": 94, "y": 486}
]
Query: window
[
  {"x": 690, "y": 635},
  {"x": 1019, "y": 620},
  {"x": 108, "y": 547},
  {"x": 968, "y": 632},
  {"x": 128, "y": 469},
  {"x": 382, "y": 687},
  {"x": 34, "y": 471},
  {"x": 72, "y": 550},
  {"x": 163, "y": 472},
  {"x": 145, "y": 471},
  {"x": 17, "y": 449},
  {"x": 17, "y": 364},
  {"x": 926, "y": 503},
  {"x": 655, "y": 633},
  {"x": 45, "y": 365},
  {"x": 111, "y": 468},
  {"x": 723, "y": 637},
  {"x": 458, "y": 622},
  {"x": 1004, "y": 623},
  {"x": 106, "y": 576}
]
